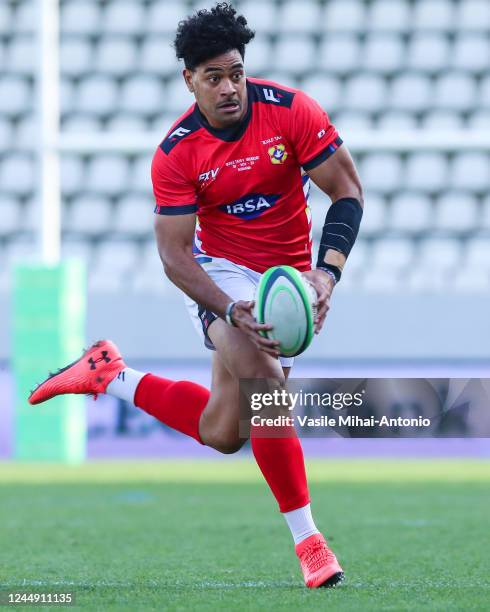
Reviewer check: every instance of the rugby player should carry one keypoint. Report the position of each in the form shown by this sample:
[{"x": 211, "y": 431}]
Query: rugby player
[{"x": 231, "y": 180}]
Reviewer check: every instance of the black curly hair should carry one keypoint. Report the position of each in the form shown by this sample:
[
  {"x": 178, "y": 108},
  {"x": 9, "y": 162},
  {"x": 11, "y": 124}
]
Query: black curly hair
[{"x": 209, "y": 33}]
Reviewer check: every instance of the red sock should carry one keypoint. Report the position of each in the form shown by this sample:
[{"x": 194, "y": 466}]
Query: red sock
[
  {"x": 282, "y": 463},
  {"x": 177, "y": 404}
]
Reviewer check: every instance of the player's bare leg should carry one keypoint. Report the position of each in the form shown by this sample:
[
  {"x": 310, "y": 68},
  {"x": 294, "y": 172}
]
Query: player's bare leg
[{"x": 280, "y": 459}]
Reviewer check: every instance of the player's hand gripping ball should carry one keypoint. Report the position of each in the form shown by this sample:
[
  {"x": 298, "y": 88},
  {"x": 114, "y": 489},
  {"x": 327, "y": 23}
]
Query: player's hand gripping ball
[{"x": 286, "y": 300}]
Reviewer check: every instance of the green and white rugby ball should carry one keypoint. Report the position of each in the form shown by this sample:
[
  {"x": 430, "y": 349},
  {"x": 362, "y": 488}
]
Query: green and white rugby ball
[{"x": 285, "y": 300}]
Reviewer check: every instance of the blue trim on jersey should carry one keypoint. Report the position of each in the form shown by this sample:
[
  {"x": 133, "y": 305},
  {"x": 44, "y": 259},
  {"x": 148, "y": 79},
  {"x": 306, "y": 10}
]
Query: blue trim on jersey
[{"x": 325, "y": 154}]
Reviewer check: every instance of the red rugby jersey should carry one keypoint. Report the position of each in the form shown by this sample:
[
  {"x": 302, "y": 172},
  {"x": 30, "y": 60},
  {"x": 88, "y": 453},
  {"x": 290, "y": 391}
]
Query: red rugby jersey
[{"x": 246, "y": 183}]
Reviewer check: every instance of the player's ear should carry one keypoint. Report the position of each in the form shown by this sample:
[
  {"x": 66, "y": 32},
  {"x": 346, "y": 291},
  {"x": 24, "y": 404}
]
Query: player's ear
[{"x": 188, "y": 79}]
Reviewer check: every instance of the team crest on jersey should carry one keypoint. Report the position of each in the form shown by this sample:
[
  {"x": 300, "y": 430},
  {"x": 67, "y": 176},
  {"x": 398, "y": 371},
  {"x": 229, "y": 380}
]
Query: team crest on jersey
[
  {"x": 251, "y": 206},
  {"x": 278, "y": 154}
]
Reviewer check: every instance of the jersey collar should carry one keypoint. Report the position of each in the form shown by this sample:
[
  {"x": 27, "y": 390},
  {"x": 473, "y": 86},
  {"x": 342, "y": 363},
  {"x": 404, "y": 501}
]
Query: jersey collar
[{"x": 230, "y": 134}]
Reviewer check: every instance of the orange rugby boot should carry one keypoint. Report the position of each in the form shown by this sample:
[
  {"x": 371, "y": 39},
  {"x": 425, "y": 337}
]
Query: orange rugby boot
[
  {"x": 90, "y": 374},
  {"x": 318, "y": 563}
]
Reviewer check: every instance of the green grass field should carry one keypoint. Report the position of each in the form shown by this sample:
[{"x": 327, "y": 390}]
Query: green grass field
[{"x": 207, "y": 536}]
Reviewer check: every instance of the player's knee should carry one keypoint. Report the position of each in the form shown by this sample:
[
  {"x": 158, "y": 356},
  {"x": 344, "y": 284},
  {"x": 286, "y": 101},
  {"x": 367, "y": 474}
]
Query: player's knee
[
  {"x": 230, "y": 447},
  {"x": 227, "y": 445},
  {"x": 272, "y": 372}
]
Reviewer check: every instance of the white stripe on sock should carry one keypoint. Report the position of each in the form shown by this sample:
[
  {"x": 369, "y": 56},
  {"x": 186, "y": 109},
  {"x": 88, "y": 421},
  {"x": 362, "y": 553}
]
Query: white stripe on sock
[
  {"x": 124, "y": 385},
  {"x": 301, "y": 523}
]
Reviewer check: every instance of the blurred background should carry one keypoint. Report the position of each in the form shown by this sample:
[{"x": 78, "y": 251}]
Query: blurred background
[{"x": 407, "y": 84}]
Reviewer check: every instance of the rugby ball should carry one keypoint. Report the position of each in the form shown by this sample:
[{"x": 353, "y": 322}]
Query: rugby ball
[{"x": 285, "y": 300}]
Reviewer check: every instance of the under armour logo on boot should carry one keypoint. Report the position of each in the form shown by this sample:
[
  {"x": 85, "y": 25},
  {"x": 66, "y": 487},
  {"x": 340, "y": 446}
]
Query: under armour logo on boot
[{"x": 104, "y": 357}]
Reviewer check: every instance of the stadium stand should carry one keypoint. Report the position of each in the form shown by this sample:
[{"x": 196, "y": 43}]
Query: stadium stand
[{"x": 373, "y": 64}]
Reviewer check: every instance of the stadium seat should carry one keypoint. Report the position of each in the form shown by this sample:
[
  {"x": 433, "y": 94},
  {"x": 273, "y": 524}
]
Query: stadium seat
[
  {"x": 455, "y": 91},
  {"x": 286, "y": 79},
  {"x": 294, "y": 53},
  {"x": 302, "y": 16},
  {"x": 325, "y": 90},
  {"x": 470, "y": 171},
  {"x": 411, "y": 213},
  {"x": 140, "y": 180},
  {"x": 473, "y": 15},
  {"x": 428, "y": 53},
  {"x": 258, "y": 56},
  {"x": 478, "y": 253},
  {"x": 26, "y": 127},
  {"x": 20, "y": 250},
  {"x": 115, "y": 56},
  {"x": 344, "y": 15},
  {"x": 426, "y": 171},
  {"x": 177, "y": 98},
  {"x": 17, "y": 174},
  {"x": 30, "y": 214},
  {"x": 124, "y": 17},
  {"x": 143, "y": 94},
  {"x": 479, "y": 120},
  {"x": 456, "y": 213},
  {"x": 76, "y": 57},
  {"x": 382, "y": 53},
  {"x": 67, "y": 96},
  {"x": 21, "y": 55},
  {"x": 161, "y": 124},
  {"x": 359, "y": 257},
  {"x": 484, "y": 93},
  {"x": 389, "y": 15},
  {"x": 9, "y": 215},
  {"x": 113, "y": 260},
  {"x": 76, "y": 248},
  {"x": 410, "y": 92},
  {"x": 352, "y": 121},
  {"x": 471, "y": 53},
  {"x": 81, "y": 123},
  {"x": 97, "y": 95},
  {"x": 134, "y": 216},
  {"x": 151, "y": 277},
  {"x": 261, "y": 16},
  {"x": 397, "y": 120},
  {"x": 90, "y": 215},
  {"x": 80, "y": 17},
  {"x": 392, "y": 253},
  {"x": 15, "y": 96},
  {"x": 442, "y": 120},
  {"x": 439, "y": 254},
  {"x": 164, "y": 16},
  {"x": 381, "y": 172},
  {"x": 365, "y": 92},
  {"x": 158, "y": 56},
  {"x": 5, "y": 17},
  {"x": 126, "y": 122},
  {"x": 6, "y": 133},
  {"x": 26, "y": 17},
  {"x": 72, "y": 174},
  {"x": 339, "y": 53},
  {"x": 375, "y": 215},
  {"x": 107, "y": 174},
  {"x": 485, "y": 214},
  {"x": 433, "y": 15}
]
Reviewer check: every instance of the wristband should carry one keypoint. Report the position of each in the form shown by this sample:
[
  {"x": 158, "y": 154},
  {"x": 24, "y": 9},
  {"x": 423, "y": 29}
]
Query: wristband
[
  {"x": 334, "y": 276},
  {"x": 228, "y": 313}
]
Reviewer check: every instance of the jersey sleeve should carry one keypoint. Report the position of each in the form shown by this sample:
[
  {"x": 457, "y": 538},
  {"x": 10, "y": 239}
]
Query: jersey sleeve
[
  {"x": 174, "y": 193},
  {"x": 313, "y": 137}
]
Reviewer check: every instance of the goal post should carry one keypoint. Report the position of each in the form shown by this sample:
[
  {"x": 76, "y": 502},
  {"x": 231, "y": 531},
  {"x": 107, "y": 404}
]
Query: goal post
[{"x": 49, "y": 296}]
